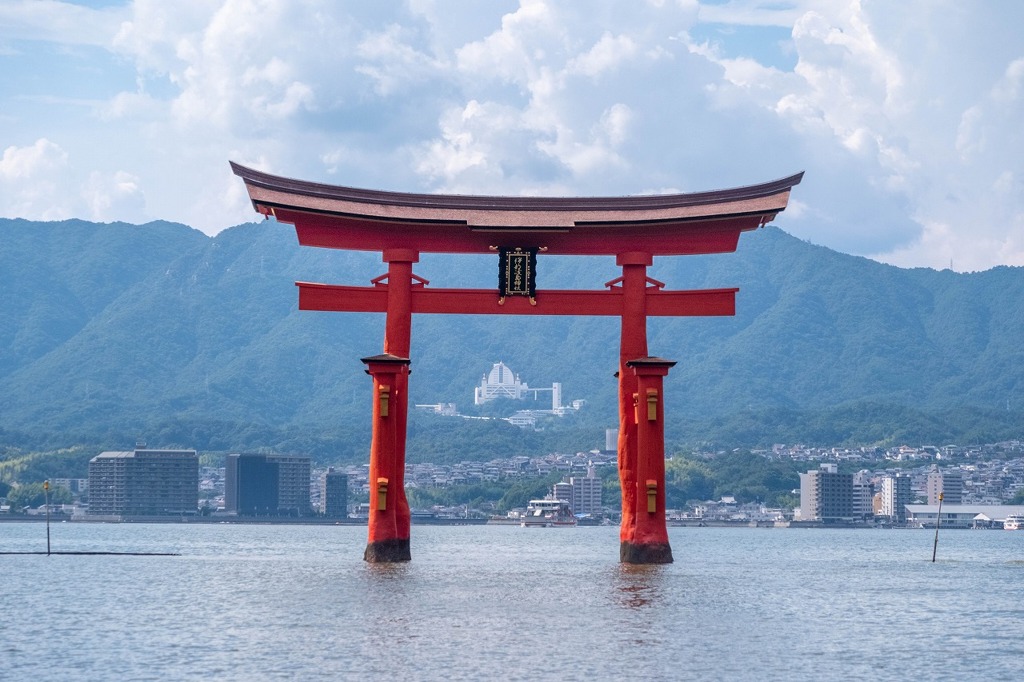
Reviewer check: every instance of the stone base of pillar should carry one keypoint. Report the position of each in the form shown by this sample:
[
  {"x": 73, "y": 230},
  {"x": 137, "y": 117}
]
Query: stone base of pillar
[
  {"x": 645, "y": 554},
  {"x": 387, "y": 552}
]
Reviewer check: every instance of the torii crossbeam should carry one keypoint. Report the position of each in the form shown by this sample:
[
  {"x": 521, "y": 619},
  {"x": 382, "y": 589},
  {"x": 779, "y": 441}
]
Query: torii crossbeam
[{"x": 633, "y": 229}]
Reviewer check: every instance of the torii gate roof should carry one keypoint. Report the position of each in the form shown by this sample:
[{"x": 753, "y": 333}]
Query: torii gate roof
[{"x": 340, "y": 217}]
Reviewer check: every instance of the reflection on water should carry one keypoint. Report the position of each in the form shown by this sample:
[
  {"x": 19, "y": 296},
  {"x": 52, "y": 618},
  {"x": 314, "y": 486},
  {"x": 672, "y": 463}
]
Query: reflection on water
[
  {"x": 638, "y": 586},
  {"x": 385, "y": 572}
]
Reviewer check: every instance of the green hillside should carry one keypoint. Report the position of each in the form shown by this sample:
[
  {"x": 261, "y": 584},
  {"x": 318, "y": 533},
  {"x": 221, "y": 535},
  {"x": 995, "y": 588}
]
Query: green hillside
[{"x": 116, "y": 332}]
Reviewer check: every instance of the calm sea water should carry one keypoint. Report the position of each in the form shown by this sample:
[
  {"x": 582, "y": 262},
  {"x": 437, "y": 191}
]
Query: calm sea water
[{"x": 249, "y": 602}]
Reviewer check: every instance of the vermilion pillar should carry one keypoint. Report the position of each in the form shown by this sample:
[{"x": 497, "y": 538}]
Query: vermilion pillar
[
  {"x": 388, "y": 539},
  {"x": 649, "y": 541},
  {"x": 632, "y": 344}
]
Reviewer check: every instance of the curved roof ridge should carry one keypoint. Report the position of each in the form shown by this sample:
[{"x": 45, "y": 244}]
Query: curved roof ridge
[{"x": 511, "y": 203}]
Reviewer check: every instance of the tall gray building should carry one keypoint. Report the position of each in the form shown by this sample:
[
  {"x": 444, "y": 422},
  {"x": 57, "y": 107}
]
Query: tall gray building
[
  {"x": 586, "y": 493},
  {"x": 863, "y": 494},
  {"x": 949, "y": 482},
  {"x": 583, "y": 493},
  {"x": 334, "y": 494},
  {"x": 895, "y": 497},
  {"x": 826, "y": 495},
  {"x": 563, "y": 491},
  {"x": 267, "y": 485},
  {"x": 144, "y": 483}
]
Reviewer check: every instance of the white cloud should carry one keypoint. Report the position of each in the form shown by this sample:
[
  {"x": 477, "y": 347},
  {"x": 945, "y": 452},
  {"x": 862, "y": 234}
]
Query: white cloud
[
  {"x": 466, "y": 143},
  {"x": 114, "y": 197},
  {"x": 751, "y": 13},
  {"x": 615, "y": 124},
  {"x": 60, "y": 22},
  {"x": 973, "y": 212},
  {"x": 393, "y": 64},
  {"x": 516, "y": 52},
  {"x": 912, "y": 149},
  {"x": 844, "y": 82},
  {"x": 24, "y": 163},
  {"x": 562, "y": 121},
  {"x": 131, "y": 105},
  {"x": 227, "y": 70},
  {"x": 289, "y": 95},
  {"x": 1008, "y": 89},
  {"x": 875, "y": 95},
  {"x": 31, "y": 180},
  {"x": 604, "y": 56}
]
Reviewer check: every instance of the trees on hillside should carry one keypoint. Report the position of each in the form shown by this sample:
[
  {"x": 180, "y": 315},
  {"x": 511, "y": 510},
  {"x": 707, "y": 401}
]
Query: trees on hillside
[{"x": 33, "y": 495}]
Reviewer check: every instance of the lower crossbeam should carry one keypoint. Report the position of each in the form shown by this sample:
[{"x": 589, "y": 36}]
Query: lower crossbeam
[{"x": 659, "y": 302}]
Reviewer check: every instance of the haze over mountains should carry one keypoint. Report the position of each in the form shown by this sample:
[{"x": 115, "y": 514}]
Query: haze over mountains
[{"x": 112, "y": 332}]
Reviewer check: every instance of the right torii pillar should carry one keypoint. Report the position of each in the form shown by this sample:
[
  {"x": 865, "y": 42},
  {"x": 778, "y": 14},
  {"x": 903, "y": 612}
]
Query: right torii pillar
[{"x": 643, "y": 534}]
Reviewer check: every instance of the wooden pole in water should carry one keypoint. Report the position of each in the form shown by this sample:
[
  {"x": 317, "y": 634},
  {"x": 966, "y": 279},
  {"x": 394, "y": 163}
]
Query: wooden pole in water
[
  {"x": 938, "y": 522},
  {"x": 46, "y": 493}
]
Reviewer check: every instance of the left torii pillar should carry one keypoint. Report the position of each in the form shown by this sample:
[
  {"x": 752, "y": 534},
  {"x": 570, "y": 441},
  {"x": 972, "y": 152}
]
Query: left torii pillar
[{"x": 388, "y": 528}]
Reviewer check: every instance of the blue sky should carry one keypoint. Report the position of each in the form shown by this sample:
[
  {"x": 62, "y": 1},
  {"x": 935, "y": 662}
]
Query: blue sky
[{"x": 906, "y": 115}]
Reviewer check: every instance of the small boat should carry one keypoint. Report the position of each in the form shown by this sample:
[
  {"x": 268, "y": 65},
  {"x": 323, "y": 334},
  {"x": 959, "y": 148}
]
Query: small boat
[
  {"x": 548, "y": 513},
  {"x": 1014, "y": 522}
]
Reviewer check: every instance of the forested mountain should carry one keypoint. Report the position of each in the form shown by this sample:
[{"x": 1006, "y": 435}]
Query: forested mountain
[{"x": 115, "y": 332}]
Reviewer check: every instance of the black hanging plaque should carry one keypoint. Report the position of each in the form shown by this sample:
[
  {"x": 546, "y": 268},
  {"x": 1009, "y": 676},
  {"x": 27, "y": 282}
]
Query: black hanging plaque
[{"x": 517, "y": 273}]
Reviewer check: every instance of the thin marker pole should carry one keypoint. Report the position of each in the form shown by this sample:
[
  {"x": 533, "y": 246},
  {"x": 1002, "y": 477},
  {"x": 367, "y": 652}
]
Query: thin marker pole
[
  {"x": 938, "y": 522},
  {"x": 46, "y": 492}
]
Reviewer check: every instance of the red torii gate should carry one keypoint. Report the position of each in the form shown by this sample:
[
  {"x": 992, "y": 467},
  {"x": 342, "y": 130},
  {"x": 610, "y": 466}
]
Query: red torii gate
[{"x": 634, "y": 229}]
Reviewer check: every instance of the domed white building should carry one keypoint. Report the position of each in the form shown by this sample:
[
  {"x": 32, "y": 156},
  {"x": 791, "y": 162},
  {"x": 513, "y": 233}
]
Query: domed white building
[{"x": 501, "y": 382}]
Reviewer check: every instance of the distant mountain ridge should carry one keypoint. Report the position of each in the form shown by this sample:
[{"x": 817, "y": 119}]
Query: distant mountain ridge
[{"x": 113, "y": 331}]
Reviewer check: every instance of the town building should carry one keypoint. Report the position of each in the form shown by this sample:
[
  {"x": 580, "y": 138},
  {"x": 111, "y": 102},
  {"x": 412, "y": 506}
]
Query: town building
[
  {"x": 895, "y": 497},
  {"x": 949, "y": 482},
  {"x": 267, "y": 485},
  {"x": 77, "y": 486},
  {"x": 334, "y": 494},
  {"x": 586, "y": 493},
  {"x": 562, "y": 491},
  {"x": 863, "y": 492},
  {"x": 962, "y": 515},
  {"x": 144, "y": 482},
  {"x": 826, "y": 495},
  {"x": 582, "y": 493}
]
